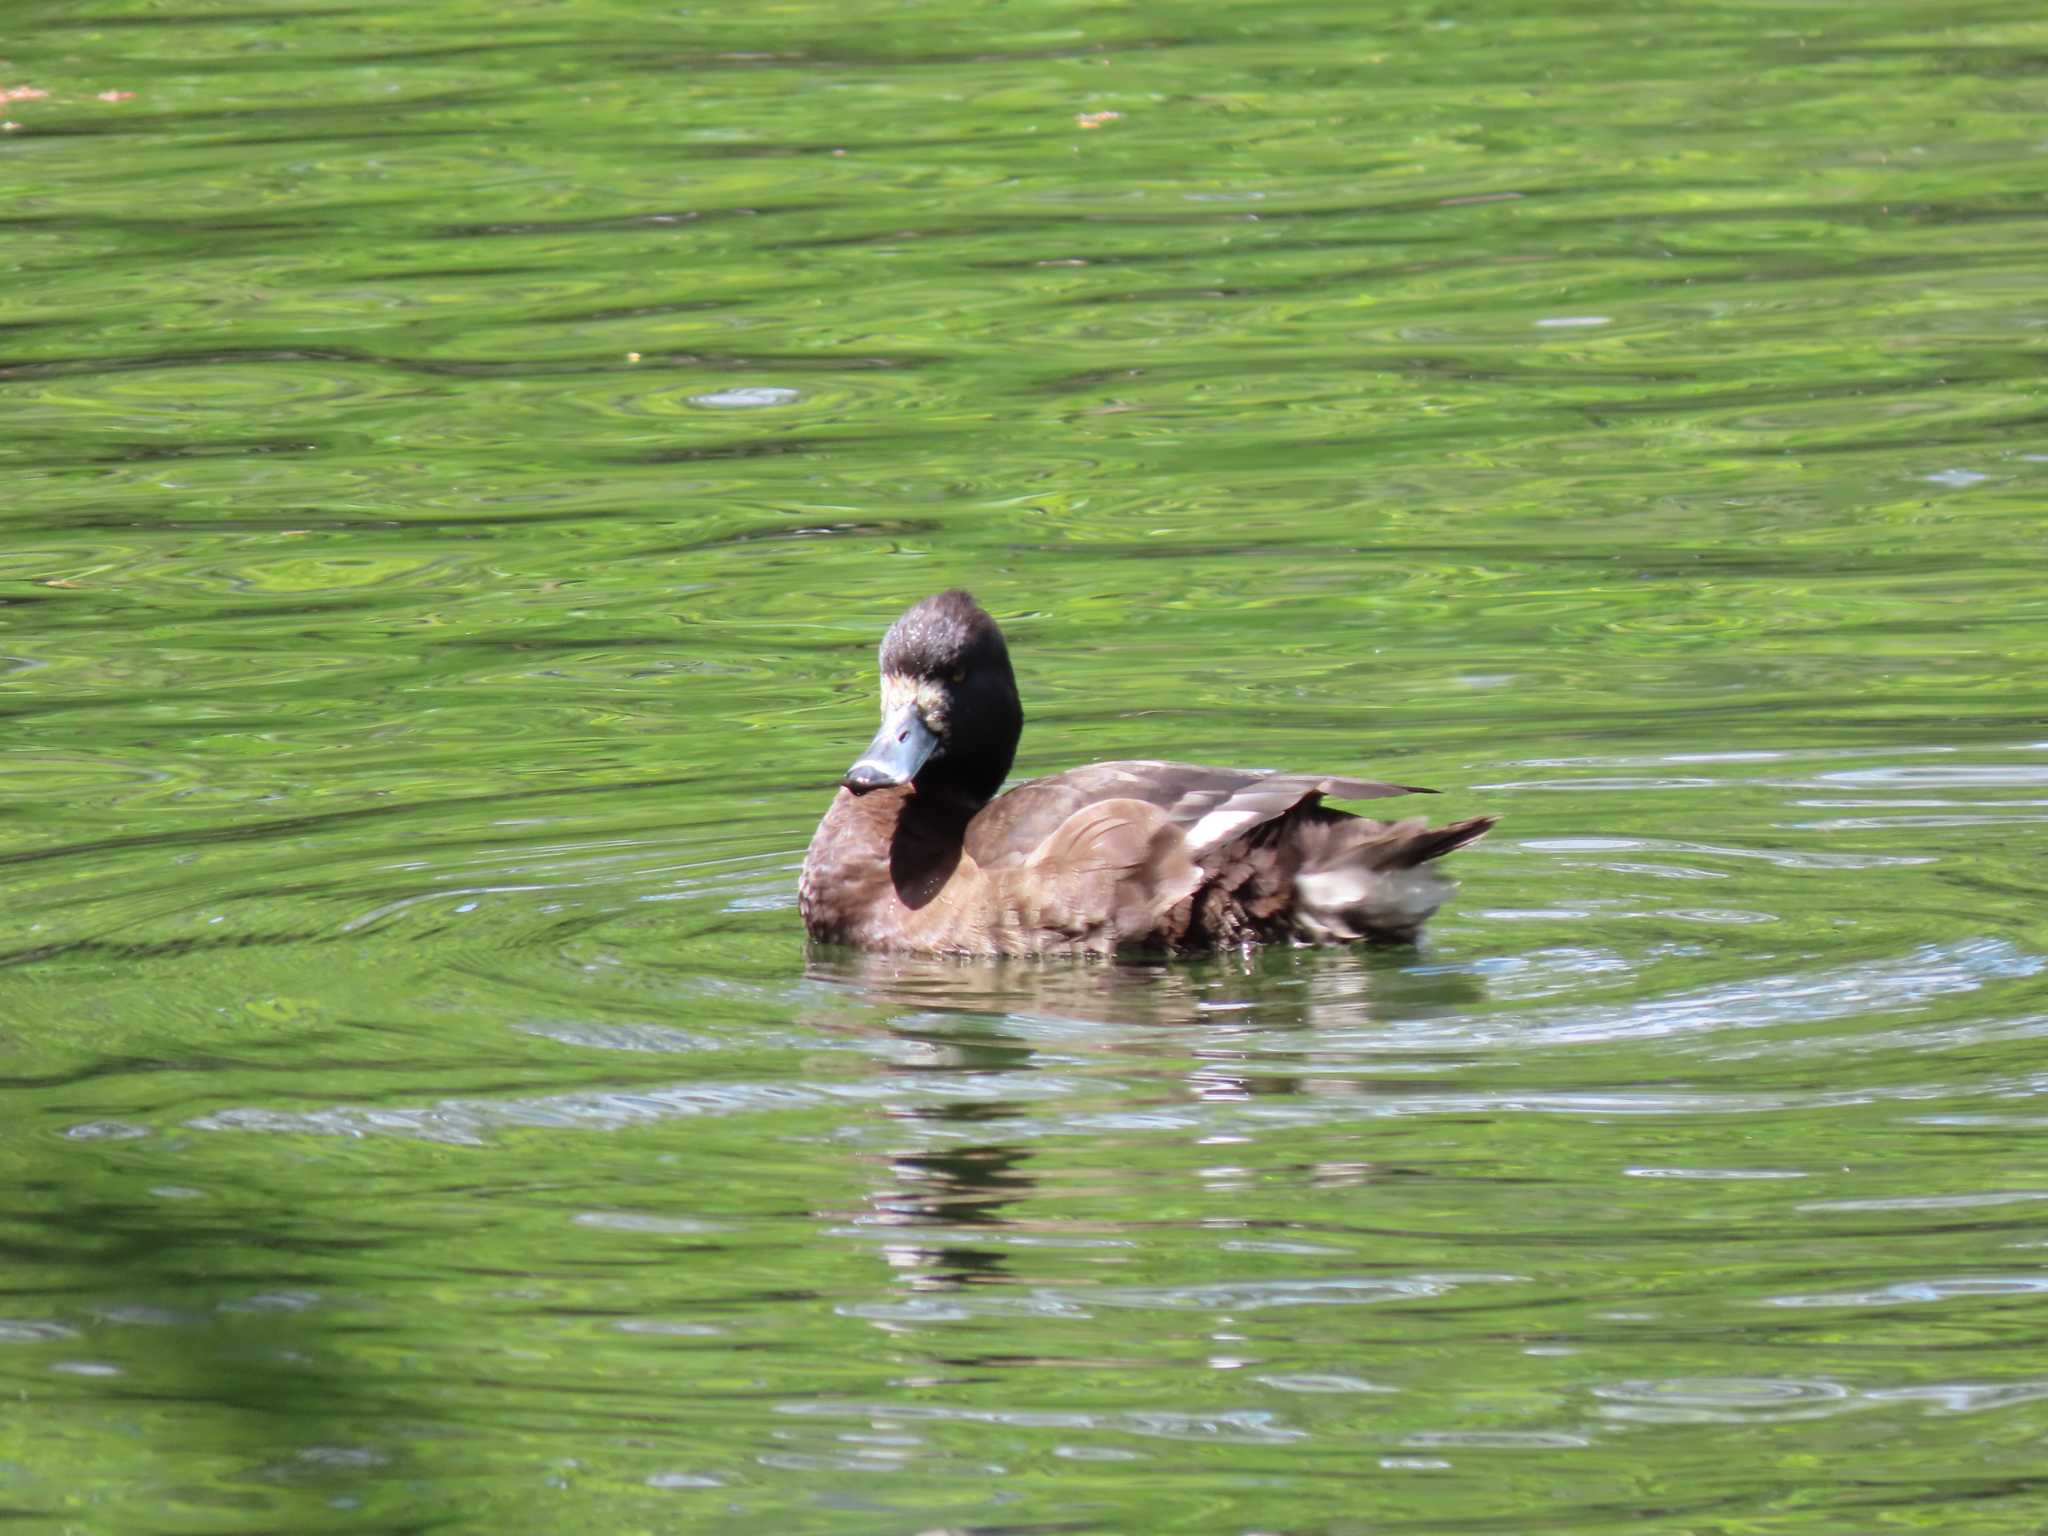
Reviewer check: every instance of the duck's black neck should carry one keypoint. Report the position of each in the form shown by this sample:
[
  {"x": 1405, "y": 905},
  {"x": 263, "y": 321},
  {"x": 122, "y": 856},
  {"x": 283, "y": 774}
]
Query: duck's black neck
[
  {"x": 969, "y": 778},
  {"x": 981, "y": 743}
]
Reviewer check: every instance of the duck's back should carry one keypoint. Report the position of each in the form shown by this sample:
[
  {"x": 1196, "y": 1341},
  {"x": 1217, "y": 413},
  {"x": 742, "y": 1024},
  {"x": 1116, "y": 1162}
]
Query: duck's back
[
  {"x": 1182, "y": 856},
  {"x": 1208, "y": 805}
]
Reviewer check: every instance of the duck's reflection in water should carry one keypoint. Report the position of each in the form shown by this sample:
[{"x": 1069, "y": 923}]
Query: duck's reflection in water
[
  {"x": 949, "y": 1195},
  {"x": 1025, "y": 1042},
  {"x": 1271, "y": 989}
]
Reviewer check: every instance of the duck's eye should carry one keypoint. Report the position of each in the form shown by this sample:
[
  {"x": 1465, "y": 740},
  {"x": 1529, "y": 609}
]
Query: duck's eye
[{"x": 957, "y": 675}]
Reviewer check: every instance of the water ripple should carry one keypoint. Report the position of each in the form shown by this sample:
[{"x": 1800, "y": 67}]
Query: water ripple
[
  {"x": 1238, "y": 1427},
  {"x": 1916, "y": 1292},
  {"x": 1724, "y": 1400}
]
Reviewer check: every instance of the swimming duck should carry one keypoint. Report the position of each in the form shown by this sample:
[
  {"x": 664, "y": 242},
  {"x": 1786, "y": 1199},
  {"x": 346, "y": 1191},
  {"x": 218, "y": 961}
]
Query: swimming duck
[{"x": 919, "y": 853}]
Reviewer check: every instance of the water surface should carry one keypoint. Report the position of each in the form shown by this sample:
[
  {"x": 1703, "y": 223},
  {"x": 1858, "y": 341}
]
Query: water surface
[{"x": 460, "y": 461}]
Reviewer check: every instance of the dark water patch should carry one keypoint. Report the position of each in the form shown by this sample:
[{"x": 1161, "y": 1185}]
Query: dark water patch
[
  {"x": 616, "y": 223},
  {"x": 287, "y": 826},
  {"x": 249, "y": 448},
  {"x": 58, "y": 368},
  {"x": 898, "y": 527},
  {"x": 759, "y": 448}
]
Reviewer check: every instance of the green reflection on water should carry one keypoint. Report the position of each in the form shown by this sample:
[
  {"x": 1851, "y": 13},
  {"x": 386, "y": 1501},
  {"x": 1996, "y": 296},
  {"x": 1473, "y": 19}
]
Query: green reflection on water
[{"x": 459, "y": 464}]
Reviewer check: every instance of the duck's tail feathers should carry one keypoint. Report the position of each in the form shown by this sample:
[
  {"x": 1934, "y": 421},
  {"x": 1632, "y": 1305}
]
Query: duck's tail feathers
[
  {"x": 1375, "y": 880},
  {"x": 1435, "y": 842}
]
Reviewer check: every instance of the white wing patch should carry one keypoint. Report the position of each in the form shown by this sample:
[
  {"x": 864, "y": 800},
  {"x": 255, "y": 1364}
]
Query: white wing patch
[
  {"x": 1219, "y": 813},
  {"x": 1222, "y": 824}
]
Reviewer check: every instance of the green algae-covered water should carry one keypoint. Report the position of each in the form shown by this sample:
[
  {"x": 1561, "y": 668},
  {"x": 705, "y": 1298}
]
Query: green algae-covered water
[{"x": 458, "y": 462}]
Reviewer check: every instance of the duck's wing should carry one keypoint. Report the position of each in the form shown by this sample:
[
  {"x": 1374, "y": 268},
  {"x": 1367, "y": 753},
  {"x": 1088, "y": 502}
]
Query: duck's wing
[
  {"x": 1209, "y": 806},
  {"x": 1104, "y": 879}
]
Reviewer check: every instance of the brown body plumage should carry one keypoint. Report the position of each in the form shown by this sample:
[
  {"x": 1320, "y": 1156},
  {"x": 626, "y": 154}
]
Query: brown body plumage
[{"x": 917, "y": 852}]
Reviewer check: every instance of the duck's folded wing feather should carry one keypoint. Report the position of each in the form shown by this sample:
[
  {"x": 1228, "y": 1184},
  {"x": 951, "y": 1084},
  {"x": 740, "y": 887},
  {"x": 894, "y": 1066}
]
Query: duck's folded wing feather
[
  {"x": 1210, "y": 806},
  {"x": 1104, "y": 878}
]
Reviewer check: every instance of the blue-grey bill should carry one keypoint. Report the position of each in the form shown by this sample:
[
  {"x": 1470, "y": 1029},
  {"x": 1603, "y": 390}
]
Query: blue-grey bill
[{"x": 900, "y": 748}]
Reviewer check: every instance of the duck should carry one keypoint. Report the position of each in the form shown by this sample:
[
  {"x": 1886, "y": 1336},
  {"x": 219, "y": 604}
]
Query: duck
[{"x": 922, "y": 851}]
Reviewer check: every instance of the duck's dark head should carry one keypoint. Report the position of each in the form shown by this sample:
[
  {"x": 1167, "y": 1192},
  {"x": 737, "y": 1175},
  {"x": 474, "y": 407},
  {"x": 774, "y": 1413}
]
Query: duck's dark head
[{"x": 950, "y": 716}]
